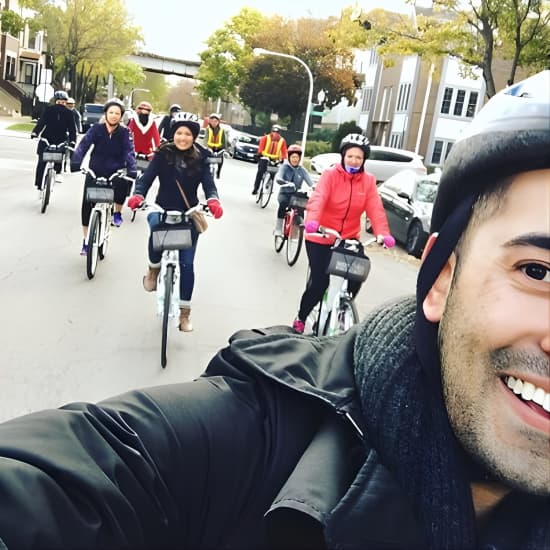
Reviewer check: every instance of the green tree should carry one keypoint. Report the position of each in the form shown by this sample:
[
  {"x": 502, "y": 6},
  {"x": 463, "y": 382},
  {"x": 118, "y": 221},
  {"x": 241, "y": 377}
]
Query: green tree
[
  {"x": 475, "y": 32},
  {"x": 83, "y": 53},
  {"x": 12, "y": 23}
]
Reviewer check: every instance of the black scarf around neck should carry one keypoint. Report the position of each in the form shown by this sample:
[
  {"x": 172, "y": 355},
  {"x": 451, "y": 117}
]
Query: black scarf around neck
[{"x": 407, "y": 424}]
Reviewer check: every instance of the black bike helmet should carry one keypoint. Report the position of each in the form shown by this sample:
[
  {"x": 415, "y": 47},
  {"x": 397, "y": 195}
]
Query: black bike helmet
[
  {"x": 182, "y": 118},
  {"x": 61, "y": 95},
  {"x": 114, "y": 101},
  {"x": 511, "y": 134},
  {"x": 355, "y": 140}
]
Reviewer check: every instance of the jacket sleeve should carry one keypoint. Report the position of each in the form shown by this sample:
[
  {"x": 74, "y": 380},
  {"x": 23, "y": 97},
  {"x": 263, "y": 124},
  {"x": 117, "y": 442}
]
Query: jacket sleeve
[
  {"x": 82, "y": 148},
  {"x": 39, "y": 126},
  {"x": 307, "y": 177},
  {"x": 155, "y": 136},
  {"x": 261, "y": 145},
  {"x": 207, "y": 181},
  {"x": 144, "y": 182},
  {"x": 71, "y": 125},
  {"x": 374, "y": 208},
  {"x": 187, "y": 465},
  {"x": 319, "y": 197},
  {"x": 129, "y": 153}
]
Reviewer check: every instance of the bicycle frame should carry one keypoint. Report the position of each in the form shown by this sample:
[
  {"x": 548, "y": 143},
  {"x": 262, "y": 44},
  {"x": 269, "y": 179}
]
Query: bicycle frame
[{"x": 51, "y": 152}]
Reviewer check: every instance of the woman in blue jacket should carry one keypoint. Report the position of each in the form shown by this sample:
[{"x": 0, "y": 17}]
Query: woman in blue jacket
[
  {"x": 290, "y": 172},
  {"x": 181, "y": 167},
  {"x": 112, "y": 150}
]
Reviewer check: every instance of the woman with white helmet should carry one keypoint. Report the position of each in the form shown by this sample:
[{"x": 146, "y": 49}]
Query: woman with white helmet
[
  {"x": 342, "y": 195},
  {"x": 181, "y": 167}
]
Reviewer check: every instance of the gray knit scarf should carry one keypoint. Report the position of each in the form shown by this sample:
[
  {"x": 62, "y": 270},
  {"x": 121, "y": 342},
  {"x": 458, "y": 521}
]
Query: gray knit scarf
[{"x": 407, "y": 425}]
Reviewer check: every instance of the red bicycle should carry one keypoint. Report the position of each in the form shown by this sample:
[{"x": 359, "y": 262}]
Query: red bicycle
[{"x": 293, "y": 228}]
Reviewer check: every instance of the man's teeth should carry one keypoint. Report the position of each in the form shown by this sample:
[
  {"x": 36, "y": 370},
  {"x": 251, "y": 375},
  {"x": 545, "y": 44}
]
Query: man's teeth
[{"x": 529, "y": 392}]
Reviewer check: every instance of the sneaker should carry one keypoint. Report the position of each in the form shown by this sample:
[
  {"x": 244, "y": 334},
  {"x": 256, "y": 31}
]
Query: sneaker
[
  {"x": 58, "y": 178},
  {"x": 84, "y": 249},
  {"x": 117, "y": 219},
  {"x": 298, "y": 326},
  {"x": 39, "y": 194}
]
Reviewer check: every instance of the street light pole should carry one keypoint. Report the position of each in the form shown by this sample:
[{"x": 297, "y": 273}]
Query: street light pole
[{"x": 261, "y": 51}]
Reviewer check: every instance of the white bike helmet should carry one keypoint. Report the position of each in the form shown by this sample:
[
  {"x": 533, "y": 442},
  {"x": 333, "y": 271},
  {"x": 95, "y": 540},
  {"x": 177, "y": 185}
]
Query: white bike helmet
[
  {"x": 183, "y": 118},
  {"x": 355, "y": 140}
]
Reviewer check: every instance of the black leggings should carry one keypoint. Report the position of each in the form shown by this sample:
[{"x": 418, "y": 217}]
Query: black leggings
[
  {"x": 318, "y": 280},
  {"x": 121, "y": 187}
]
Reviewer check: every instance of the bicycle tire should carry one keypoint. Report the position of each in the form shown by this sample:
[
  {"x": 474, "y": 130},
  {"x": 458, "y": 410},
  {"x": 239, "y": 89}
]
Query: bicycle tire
[
  {"x": 267, "y": 190},
  {"x": 347, "y": 316},
  {"x": 260, "y": 192},
  {"x": 294, "y": 241},
  {"x": 168, "y": 287},
  {"x": 279, "y": 240},
  {"x": 46, "y": 189},
  {"x": 93, "y": 244},
  {"x": 105, "y": 244}
]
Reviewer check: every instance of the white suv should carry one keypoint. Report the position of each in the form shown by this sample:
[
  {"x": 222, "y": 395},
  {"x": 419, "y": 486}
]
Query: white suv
[{"x": 383, "y": 162}]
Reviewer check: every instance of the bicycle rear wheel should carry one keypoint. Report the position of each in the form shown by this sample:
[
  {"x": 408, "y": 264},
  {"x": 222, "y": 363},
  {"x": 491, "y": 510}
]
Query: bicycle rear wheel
[
  {"x": 47, "y": 183},
  {"x": 93, "y": 244},
  {"x": 279, "y": 240},
  {"x": 346, "y": 317},
  {"x": 168, "y": 288},
  {"x": 294, "y": 241},
  {"x": 267, "y": 190}
]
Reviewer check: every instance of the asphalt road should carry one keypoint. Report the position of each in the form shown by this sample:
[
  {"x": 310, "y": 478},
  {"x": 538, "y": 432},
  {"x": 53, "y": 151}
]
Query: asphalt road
[{"x": 65, "y": 338}]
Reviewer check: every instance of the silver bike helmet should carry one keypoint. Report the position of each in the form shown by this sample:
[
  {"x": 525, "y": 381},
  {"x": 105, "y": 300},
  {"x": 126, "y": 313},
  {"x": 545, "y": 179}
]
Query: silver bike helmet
[
  {"x": 183, "y": 118},
  {"x": 355, "y": 140}
]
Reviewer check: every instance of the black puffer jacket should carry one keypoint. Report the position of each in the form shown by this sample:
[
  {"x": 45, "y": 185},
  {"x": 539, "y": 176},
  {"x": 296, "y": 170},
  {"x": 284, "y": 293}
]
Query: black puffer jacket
[{"x": 263, "y": 451}]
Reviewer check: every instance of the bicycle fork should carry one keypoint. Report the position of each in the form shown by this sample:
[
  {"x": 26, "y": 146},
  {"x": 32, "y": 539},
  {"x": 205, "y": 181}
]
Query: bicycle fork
[{"x": 174, "y": 305}]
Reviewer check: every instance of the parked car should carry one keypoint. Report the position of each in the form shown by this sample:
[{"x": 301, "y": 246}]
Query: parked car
[
  {"x": 408, "y": 199},
  {"x": 383, "y": 162},
  {"x": 245, "y": 147},
  {"x": 91, "y": 113}
]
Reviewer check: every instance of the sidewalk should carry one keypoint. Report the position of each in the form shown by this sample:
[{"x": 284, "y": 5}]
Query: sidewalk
[{"x": 6, "y": 121}]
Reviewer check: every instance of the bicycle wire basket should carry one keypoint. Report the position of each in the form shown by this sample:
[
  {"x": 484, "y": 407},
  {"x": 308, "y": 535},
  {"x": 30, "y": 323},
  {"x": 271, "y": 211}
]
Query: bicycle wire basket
[
  {"x": 53, "y": 153},
  {"x": 299, "y": 200},
  {"x": 272, "y": 168},
  {"x": 167, "y": 236},
  {"x": 349, "y": 264},
  {"x": 97, "y": 192},
  {"x": 142, "y": 164}
]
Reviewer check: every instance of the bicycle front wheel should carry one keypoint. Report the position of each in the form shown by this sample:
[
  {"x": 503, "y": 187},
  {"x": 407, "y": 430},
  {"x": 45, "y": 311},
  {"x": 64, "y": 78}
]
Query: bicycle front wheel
[
  {"x": 279, "y": 240},
  {"x": 168, "y": 288},
  {"x": 49, "y": 177},
  {"x": 94, "y": 230},
  {"x": 267, "y": 190},
  {"x": 294, "y": 241}
]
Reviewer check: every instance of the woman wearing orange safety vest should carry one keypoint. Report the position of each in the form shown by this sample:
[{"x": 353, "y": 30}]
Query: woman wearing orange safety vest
[{"x": 272, "y": 147}]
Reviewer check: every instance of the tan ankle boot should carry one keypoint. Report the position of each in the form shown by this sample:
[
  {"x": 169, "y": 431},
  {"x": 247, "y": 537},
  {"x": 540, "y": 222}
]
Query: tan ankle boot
[
  {"x": 185, "y": 321},
  {"x": 150, "y": 279}
]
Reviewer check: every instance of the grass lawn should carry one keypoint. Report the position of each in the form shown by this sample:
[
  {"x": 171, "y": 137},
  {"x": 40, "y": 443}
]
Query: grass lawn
[{"x": 21, "y": 127}]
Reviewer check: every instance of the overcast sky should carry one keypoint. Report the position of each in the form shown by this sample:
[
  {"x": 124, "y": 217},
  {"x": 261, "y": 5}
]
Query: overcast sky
[{"x": 179, "y": 29}]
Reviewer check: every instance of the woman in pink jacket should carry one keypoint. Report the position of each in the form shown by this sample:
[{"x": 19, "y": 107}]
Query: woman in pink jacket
[{"x": 341, "y": 196}]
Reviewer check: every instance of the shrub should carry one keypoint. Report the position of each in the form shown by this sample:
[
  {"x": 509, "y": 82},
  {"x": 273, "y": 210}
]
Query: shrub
[{"x": 317, "y": 147}]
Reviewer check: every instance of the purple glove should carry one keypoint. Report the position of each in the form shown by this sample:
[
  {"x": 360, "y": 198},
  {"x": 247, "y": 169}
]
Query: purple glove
[
  {"x": 387, "y": 240},
  {"x": 215, "y": 207},
  {"x": 312, "y": 227}
]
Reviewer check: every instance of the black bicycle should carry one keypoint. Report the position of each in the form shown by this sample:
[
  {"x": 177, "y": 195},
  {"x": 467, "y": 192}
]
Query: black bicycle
[{"x": 266, "y": 185}]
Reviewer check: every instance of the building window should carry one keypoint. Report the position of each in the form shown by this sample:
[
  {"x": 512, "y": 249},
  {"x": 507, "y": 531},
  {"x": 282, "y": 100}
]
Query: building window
[
  {"x": 396, "y": 140},
  {"x": 441, "y": 150},
  {"x": 367, "y": 99},
  {"x": 446, "y": 104},
  {"x": 472, "y": 103},
  {"x": 459, "y": 103},
  {"x": 403, "y": 97}
]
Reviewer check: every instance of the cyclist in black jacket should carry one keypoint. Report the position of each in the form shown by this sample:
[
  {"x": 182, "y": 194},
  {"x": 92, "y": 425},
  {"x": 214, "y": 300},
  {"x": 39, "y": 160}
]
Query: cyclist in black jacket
[{"x": 56, "y": 124}]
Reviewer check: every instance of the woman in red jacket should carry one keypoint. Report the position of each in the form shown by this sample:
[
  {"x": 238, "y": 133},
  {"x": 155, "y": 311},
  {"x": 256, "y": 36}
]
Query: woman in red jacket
[
  {"x": 341, "y": 196},
  {"x": 144, "y": 129}
]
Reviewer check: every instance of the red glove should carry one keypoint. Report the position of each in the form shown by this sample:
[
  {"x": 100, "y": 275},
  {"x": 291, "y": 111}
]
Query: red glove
[
  {"x": 135, "y": 201},
  {"x": 215, "y": 207}
]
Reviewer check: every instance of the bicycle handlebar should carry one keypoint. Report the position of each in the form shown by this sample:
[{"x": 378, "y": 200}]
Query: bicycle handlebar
[
  {"x": 387, "y": 242},
  {"x": 199, "y": 207},
  {"x": 118, "y": 174}
]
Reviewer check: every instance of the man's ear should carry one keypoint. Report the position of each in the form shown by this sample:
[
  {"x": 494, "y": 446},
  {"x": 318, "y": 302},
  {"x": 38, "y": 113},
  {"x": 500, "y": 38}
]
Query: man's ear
[{"x": 434, "y": 303}]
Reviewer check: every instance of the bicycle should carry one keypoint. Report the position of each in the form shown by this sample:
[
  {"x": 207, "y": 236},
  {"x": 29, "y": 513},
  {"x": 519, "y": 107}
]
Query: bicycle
[
  {"x": 293, "y": 226},
  {"x": 101, "y": 194},
  {"x": 214, "y": 160},
  {"x": 142, "y": 162},
  {"x": 171, "y": 235},
  {"x": 51, "y": 155},
  {"x": 266, "y": 185},
  {"x": 337, "y": 313}
]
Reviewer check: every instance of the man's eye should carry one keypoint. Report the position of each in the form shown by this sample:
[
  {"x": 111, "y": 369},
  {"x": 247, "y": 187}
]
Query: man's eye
[{"x": 538, "y": 272}]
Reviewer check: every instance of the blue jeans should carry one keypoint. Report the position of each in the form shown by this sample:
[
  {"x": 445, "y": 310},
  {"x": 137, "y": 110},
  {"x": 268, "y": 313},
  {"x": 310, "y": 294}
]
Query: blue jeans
[{"x": 186, "y": 259}]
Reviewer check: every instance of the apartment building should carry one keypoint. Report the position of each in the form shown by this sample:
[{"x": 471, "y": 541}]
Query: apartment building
[{"x": 22, "y": 63}]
